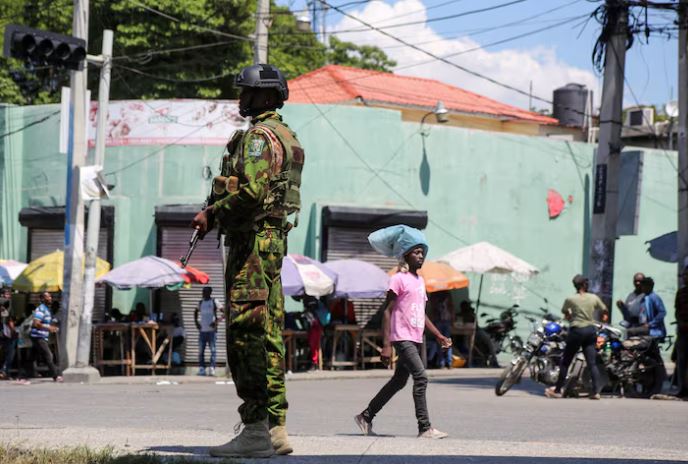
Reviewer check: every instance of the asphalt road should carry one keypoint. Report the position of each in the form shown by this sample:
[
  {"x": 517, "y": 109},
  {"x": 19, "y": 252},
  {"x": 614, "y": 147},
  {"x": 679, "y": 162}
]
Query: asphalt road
[{"x": 522, "y": 426}]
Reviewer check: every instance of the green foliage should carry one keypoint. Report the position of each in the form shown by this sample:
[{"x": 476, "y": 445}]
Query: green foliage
[
  {"x": 293, "y": 52},
  {"x": 358, "y": 56},
  {"x": 148, "y": 62}
]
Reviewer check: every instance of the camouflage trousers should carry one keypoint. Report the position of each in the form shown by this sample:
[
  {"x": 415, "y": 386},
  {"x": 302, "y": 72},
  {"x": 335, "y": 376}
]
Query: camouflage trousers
[{"x": 255, "y": 349}]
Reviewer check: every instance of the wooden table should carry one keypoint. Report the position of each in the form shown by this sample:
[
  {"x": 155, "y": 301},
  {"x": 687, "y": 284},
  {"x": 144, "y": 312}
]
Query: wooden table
[
  {"x": 148, "y": 332},
  {"x": 340, "y": 330},
  {"x": 121, "y": 331},
  {"x": 290, "y": 337},
  {"x": 372, "y": 339}
]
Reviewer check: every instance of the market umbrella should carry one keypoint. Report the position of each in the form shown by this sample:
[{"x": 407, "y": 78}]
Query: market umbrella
[
  {"x": 146, "y": 272},
  {"x": 44, "y": 274},
  {"x": 440, "y": 277},
  {"x": 358, "y": 279},
  {"x": 664, "y": 247},
  {"x": 9, "y": 270},
  {"x": 302, "y": 275},
  {"x": 483, "y": 257}
]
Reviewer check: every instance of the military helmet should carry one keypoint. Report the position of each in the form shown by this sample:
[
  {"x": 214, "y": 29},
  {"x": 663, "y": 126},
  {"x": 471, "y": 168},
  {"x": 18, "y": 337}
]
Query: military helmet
[{"x": 264, "y": 76}]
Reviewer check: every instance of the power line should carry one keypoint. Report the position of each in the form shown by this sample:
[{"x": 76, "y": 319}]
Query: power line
[
  {"x": 498, "y": 42},
  {"x": 31, "y": 124},
  {"x": 203, "y": 28},
  {"x": 178, "y": 81}
]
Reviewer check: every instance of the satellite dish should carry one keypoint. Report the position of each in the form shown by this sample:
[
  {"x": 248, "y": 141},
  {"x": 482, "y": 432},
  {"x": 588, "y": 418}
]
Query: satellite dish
[{"x": 671, "y": 109}]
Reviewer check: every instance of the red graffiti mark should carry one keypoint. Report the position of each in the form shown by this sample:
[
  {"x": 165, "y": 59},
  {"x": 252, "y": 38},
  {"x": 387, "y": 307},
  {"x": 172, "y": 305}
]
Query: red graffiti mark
[{"x": 555, "y": 203}]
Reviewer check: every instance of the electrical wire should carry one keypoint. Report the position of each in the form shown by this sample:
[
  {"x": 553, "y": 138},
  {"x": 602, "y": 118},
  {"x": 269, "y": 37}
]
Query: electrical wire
[
  {"x": 177, "y": 81},
  {"x": 492, "y": 44},
  {"x": 31, "y": 124},
  {"x": 203, "y": 28}
]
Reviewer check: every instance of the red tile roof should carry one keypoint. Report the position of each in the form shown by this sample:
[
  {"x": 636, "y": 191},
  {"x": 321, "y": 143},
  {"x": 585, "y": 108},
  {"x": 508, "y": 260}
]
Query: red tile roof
[{"x": 340, "y": 84}]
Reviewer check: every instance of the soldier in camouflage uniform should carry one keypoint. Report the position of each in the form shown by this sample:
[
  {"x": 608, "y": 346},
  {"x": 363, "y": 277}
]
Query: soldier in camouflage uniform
[{"x": 256, "y": 191}]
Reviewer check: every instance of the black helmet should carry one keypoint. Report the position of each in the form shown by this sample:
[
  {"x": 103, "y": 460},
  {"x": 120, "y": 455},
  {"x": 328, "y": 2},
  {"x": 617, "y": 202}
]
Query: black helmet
[{"x": 264, "y": 76}]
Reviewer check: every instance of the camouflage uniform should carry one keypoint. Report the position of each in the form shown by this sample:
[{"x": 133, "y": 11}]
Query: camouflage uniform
[{"x": 256, "y": 234}]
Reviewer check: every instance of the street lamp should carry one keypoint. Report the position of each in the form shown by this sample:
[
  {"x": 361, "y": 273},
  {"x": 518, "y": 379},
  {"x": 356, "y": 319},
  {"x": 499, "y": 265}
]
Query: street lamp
[
  {"x": 441, "y": 115},
  {"x": 303, "y": 21}
]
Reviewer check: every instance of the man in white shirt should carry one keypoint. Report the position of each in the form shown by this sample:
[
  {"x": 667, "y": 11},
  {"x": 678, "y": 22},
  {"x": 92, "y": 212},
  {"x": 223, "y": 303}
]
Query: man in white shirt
[{"x": 207, "y": 326}]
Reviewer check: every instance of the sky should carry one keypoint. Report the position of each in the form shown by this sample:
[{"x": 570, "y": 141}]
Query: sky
[{"x": 548, "y": 58}]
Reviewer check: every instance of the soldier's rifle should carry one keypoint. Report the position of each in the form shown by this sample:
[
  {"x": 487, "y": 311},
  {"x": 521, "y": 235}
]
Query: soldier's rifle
[{"x": 195, "y": 236}]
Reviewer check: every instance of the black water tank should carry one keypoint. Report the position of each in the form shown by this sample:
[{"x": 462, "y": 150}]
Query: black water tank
[{"x": 569, "y": 104}]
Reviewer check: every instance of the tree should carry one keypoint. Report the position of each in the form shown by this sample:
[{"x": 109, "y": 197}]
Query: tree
[
  {"x": 171, "y": 48},
  {"x": 294, "y": 52},
  {"x": 358, "y": 56}
]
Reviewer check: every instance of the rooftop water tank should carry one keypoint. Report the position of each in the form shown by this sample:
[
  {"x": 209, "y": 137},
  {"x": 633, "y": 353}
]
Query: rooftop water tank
[{"x": 569, "y": 105}]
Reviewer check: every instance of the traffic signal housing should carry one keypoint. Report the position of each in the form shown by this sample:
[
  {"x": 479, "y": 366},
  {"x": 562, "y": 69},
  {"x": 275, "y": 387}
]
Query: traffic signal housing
[{"x": 44, "y": 48}]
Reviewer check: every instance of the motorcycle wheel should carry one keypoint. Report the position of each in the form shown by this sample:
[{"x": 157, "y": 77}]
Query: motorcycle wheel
[
  {"x": 647, "y": 384},
  {"x": 510, "y": 376}
]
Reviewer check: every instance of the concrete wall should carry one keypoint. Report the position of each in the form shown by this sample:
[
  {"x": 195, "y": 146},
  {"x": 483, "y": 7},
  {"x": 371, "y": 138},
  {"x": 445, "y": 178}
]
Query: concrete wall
[{"x": 475, "y": 186}]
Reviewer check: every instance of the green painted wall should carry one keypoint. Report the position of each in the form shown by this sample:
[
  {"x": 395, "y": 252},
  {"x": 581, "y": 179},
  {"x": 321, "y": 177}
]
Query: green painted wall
[{"x": 475, "y": 186}]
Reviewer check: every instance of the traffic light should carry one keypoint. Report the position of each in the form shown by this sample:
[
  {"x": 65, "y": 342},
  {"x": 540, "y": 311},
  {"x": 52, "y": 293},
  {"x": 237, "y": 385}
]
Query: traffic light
[{"x": 44, "y": 48}]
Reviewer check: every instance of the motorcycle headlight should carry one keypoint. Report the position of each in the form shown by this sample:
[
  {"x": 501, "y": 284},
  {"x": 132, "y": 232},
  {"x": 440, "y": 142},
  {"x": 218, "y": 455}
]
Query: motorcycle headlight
[{"x": 534, "y": 339}]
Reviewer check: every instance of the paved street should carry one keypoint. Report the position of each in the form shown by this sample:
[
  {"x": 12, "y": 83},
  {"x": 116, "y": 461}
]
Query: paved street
[{"x": 184, "y": 418}]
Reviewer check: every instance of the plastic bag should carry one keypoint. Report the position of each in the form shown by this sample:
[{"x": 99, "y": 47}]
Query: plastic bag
[{"x": 396, "y": 241}]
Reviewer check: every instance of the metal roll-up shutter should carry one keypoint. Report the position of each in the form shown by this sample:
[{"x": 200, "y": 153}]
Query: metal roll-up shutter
[
  {"x": 352, "y": 243},
  {"x": 208, "y": 258},
  {"x": 45, "y": 241}
]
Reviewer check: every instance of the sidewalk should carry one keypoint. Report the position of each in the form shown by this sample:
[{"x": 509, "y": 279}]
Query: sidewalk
[{"x": 298, "y": 376}]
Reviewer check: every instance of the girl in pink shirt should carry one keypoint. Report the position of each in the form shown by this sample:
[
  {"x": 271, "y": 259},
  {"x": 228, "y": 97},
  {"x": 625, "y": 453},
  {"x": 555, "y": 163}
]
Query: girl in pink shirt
[{"x": 403, "y": 325}]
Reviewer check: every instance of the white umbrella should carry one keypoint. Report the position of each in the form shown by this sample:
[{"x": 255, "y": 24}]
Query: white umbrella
[
  {"x": 9, "y": 270},
  {"x": 146, "y": 272},
  {"x": 483, "y": 257}
]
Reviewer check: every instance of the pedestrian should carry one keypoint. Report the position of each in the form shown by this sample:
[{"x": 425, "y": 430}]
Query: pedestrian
[
  {"x": 8, "y": 339},
  {"x": 579, "y": 310},
  {"x": 403, "y": 324},
  {"x": 630, "y": 308},
  {"x": 442, "y": 315},
  {"x": 207, "y": 330},
  {"x": 41, "y": 329},
  {"x": 652, "y": 312},
  {"x": 681, "y": 306},
  {"x": 252, "y": 198}
]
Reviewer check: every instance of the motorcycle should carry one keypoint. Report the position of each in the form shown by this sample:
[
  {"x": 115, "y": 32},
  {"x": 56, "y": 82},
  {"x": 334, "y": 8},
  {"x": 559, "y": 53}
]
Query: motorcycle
[
  {"x": 500, "y": 331},
  {"x": 541, "y": 354},
  {"x": 631, "y": 367}
]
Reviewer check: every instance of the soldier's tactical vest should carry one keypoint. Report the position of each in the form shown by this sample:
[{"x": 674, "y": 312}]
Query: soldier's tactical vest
[{"x": 284, "y": 197}]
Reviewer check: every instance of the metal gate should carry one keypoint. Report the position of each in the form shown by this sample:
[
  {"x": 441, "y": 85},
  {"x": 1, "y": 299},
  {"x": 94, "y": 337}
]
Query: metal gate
[
  {"x": 352, "y": 243},
  {"x": 174, "y": 242},
  {"x": 45, "y": 241}
]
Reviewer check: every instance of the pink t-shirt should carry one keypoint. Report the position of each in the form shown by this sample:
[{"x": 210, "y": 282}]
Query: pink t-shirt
[{"x": 408, "y": 314}]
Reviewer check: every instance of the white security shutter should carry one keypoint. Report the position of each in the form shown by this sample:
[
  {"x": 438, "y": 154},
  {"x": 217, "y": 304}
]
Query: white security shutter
[
  {"x": 352, "y": 243},
  {"x": 208, "y": 258},
  {"x": 45, "y": 241}
]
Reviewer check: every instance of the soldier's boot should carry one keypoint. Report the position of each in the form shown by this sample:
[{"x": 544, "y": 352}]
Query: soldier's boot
[
  {"x": 252, "y": 442},
  {"x": 280, "y": 440}
]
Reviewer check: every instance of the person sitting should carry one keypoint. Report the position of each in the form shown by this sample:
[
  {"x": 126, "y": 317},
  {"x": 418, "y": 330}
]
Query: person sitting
[
  {"x": 139, "y": 314},
  {"x": 441, "y": 312}
]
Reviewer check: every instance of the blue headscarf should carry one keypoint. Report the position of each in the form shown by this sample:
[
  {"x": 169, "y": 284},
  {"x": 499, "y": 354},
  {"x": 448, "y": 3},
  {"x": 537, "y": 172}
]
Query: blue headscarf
[{"x": 396, "y": 241}]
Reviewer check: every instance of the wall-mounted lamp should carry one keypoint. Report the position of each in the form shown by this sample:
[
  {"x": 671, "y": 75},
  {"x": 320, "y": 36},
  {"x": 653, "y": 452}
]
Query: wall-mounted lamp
[{"x": 441, "y": 115}]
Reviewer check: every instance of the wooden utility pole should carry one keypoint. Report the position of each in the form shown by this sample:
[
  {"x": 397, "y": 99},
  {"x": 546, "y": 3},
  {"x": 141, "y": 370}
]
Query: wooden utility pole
[
  {"x": 72, "y": 291},
  {"x": 260, "y": 44},
  {"x": 608, "y": 159},
  {"x": 682, "y": 135}
]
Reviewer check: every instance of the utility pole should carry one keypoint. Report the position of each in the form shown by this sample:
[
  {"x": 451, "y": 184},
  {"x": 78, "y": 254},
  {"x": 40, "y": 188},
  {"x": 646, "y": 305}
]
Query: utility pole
[
  {"x": 84, "y": 371},
  {"x": 72, "y": 292},
  {"x": 260, "y": 44},
  {"x": 608, "y": 160},
  {"x": 682, "y": 134}
]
